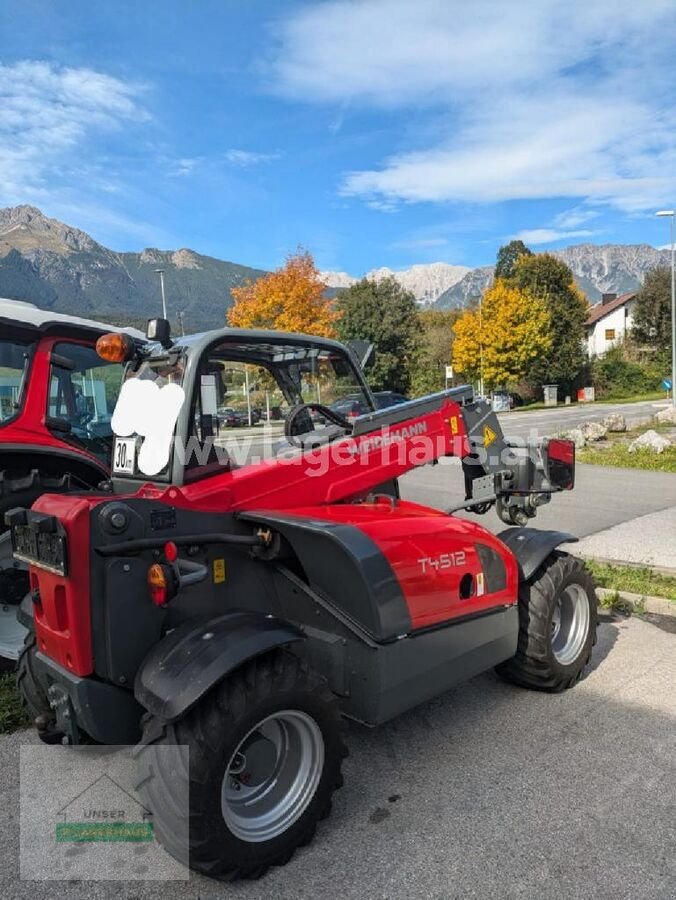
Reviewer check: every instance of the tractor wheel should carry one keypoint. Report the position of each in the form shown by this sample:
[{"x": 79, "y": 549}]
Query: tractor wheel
[
  {"x": 33, "y": 697},
  {"x": 557, "y": 626},
  {"x": 265, "y": 749}
]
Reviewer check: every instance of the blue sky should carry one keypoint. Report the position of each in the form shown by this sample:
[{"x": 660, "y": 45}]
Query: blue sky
[{"x": 380, "y": 132}]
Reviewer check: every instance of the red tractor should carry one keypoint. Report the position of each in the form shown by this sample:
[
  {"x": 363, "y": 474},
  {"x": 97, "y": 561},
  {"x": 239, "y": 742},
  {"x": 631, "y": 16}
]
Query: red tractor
[
  {"x": 56, "y": 399},
  {"x": 233, "y": 610}
]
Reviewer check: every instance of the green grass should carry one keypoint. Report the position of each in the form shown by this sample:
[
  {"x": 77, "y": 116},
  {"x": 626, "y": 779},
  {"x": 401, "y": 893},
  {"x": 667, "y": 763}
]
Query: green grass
[
  {"x": 637, "y": 580},
  {"x": 619, "y": 455},
  {"x": 12, "y": 714}
]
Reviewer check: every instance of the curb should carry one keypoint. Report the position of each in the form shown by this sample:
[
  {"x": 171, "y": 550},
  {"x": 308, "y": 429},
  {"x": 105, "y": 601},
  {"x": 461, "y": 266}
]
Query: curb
[{"x": 658, "y": 606}]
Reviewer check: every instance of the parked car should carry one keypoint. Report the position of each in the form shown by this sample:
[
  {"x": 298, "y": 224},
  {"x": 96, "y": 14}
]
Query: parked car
[
  {"x": 388, "y": 398},
  {"x": 228, "y": 417}
]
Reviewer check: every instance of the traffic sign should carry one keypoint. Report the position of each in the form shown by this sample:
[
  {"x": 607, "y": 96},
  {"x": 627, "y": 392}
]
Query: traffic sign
[
  {"x": 449, "y": 371},
  {"x": 666, "y": 384}
]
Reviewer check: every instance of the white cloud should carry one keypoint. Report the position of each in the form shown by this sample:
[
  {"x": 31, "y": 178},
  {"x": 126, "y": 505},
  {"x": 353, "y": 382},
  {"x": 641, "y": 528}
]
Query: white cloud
[
  {"x": 46, "y": 112},
  {"x": 572, "y": 218},
  {"x": 552, "y": 100},
  {"x": 245, "y": 158},
  {"x": 535, "y": 236}
]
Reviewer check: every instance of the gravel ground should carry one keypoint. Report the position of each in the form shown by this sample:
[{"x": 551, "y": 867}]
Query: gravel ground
[{"x": 486, "y": 792}]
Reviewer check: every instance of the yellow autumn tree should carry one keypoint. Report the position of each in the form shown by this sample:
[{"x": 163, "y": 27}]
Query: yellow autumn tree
[
  {"x": 501, "y": 338},
  {"x": 292, "y": 298}
]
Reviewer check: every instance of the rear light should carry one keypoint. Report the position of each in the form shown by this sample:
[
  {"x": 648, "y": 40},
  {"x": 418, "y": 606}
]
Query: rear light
[
  {"x": 559, "y": 462},
  {"x": 170, "y": 551},
  {"x": 161, "y": 584},
  {"x": 116, "y": 347}
]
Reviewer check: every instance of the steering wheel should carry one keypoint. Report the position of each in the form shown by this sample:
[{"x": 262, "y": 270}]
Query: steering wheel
[{"x": 324, "y": 411}]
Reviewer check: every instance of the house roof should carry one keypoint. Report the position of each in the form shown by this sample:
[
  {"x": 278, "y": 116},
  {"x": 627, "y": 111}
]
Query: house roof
[{"x": 601, "y": 310}]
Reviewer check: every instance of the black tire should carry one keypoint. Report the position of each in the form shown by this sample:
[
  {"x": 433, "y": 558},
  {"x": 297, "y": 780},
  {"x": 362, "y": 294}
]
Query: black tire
[
  {"x": 213, "y": 731},
  {"x": 538, "y": 663},
  {"x": 33, "y": 697}
]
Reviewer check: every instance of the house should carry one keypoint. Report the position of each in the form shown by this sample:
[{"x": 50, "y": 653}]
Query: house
[{"x": 608, "y": 321}]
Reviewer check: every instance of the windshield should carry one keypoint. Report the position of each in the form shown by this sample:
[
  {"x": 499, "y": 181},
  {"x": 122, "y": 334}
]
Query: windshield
[
  {"x": 83, "y": 390},
  {"x": 15, "y": 358},
  {"x": 244, "y": 391}
]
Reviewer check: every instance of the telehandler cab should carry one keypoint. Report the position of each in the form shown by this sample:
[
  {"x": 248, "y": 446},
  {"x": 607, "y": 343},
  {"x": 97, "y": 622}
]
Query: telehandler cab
[{"x": 237, "y": 610}]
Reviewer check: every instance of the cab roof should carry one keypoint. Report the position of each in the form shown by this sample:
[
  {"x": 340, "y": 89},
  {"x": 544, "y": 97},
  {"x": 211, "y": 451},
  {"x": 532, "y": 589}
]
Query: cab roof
[{"x": 31, "y": 319}]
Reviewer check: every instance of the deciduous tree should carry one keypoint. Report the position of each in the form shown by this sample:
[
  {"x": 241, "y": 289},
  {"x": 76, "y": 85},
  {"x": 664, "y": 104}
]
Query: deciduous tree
[
  {"x": 652, "y": 315},
  {"x": 507, "y": 257},
  {"x": 292, "y": 298},
  {"x": 385, "y": 314},
  {"x": 433, "y": 354},
  {"x": 502, "y": 337},
  {"x": 549, "y": 280}
]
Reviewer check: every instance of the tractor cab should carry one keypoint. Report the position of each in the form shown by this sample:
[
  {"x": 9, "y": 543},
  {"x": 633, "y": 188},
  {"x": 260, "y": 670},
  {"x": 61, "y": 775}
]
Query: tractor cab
[{"x": 221, "y": 400}]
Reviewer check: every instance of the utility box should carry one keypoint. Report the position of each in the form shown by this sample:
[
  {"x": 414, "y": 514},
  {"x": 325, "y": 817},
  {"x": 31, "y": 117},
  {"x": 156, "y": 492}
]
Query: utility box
[
  {"x": 586, "y": 395},
  {"x": 551, "y": 394}
]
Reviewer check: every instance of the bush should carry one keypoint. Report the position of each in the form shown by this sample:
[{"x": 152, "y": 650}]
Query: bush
[{"x": 614, "y": 376}]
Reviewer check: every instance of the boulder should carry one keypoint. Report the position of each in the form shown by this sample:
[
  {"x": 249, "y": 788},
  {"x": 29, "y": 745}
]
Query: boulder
[
  {"x": 650, "y": 440},
  {"x": 577, "y": 436},
  {"x": 615, "y": 422},
  {"x": 667, "y": 416},
  {"x": 593, "y": 431}
]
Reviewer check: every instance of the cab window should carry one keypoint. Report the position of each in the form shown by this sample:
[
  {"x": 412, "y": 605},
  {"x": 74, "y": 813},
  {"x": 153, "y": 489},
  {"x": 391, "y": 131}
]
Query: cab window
[
  {"x": 15, "y": 359},
  {"x": 83, "y": 390}
]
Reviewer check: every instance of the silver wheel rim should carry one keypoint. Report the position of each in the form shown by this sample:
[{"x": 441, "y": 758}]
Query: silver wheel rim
[
  {"x": 570, "y": 624},
  {"x": 272, "y": 776}
]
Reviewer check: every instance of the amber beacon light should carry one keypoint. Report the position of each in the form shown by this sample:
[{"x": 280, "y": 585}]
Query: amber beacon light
[{"x": 115, "y": 347}]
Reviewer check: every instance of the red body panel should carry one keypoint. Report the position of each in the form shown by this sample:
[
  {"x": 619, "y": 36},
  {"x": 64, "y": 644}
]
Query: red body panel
[
  {"x": 28, "y": 428},
  {"x": 429, "y": 553},
  {"x": 62, "y": 617}
]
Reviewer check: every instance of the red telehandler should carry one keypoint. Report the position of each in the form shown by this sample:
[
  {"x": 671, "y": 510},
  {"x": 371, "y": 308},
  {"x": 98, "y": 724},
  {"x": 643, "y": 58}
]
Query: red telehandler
[
  {"x": 233, "y": 611},
  {"x": 56, "y": 400}
]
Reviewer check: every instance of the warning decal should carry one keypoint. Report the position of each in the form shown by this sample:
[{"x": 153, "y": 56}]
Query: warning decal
[{"x": 489, "y": 435}]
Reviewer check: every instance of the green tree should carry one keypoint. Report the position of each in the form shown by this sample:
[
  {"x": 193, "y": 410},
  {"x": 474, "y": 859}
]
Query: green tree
[
  {"x": 434, "y": 350},
  {"x": 652, "y": 315},
  {"x": 386, "y": 314},
  {"x": 548, "y": 279},
  {"x": 508, "y": 255}
]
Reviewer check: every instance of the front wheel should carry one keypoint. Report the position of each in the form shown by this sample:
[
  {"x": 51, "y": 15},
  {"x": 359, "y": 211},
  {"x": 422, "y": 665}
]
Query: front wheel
[
  {"x": 264, "y": 755},
  {"x": 557, "y": 626}
]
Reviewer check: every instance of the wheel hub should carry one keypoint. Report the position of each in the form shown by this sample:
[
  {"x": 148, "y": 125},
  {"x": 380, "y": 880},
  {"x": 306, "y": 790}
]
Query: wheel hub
[
  {"x": 272, "y": 776},
  {"x": 570, "y": 624}
]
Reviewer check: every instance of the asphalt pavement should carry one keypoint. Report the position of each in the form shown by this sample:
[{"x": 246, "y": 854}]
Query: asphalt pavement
[{"x": 487, "y": 792}]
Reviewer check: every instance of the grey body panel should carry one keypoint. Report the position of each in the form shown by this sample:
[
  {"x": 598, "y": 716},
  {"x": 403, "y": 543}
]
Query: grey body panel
[
  {"x": 531, "y": 546},
  {"x": 191, "y": 659}
]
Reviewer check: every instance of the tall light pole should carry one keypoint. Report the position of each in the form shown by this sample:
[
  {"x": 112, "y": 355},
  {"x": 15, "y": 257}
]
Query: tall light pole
[
  {"x": 160, "y": 272},
  {"x": 672, "y": 214}
]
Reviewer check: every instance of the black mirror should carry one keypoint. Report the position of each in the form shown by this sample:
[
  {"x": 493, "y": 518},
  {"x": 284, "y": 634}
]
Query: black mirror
[
  {"x": 159, "y": 330},
  {"x": 364, "y": 351},
  {"x": 559, "y": 461}
]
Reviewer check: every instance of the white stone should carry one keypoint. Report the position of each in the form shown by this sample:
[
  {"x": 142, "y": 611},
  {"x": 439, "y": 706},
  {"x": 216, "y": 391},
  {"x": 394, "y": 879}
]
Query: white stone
[
  {"x": 615, "y": 422},
  {"x": 650, "y": 440}
]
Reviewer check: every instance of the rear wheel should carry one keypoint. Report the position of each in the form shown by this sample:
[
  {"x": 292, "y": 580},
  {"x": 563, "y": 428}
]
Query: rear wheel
[
  {"x": 557, "y": 626},
  {"x": 33, "y": 696},
  {"x": 264, "y": 755}
]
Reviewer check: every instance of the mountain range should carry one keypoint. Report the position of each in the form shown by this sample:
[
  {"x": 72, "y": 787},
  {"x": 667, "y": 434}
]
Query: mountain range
[
  {"x": 59, "y": 267},
  {"x": 62, "y": 268}
]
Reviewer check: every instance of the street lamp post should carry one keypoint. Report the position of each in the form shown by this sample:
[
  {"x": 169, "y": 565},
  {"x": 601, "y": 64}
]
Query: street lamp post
[
  {"x": 671, "y": 213},
  {"x": 160, "y": 272}
]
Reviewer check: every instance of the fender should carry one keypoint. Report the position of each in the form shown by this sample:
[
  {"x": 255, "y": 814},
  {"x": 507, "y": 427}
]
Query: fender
[
  {"x": 531, "y": 546},
  {"x": 192, "y": 658}
]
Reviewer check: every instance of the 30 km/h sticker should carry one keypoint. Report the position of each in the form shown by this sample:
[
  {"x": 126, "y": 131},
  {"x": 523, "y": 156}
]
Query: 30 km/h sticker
[{"x": 489, "y": 435}]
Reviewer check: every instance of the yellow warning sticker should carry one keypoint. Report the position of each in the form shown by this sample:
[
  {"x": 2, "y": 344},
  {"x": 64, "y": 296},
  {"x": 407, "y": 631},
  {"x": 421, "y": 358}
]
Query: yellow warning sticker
[
  {"x": 219, "y": 571},
  {"x": 489, "y": 435},
  {"x": 454, "y": 425},
  {"x": 480, "y": 584}
]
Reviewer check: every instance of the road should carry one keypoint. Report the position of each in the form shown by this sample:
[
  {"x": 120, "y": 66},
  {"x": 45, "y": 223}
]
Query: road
[
  {"x": 487, "y": 792},
  {"x": 537, "y": 423}
]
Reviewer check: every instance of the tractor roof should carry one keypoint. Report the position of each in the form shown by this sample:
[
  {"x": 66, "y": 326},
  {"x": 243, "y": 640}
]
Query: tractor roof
[
  {"x": 31, "y": 318},
  {"x": 195, "y": 344}
]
